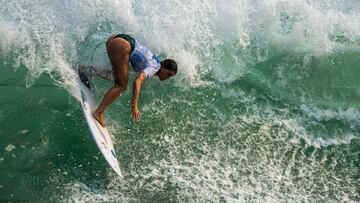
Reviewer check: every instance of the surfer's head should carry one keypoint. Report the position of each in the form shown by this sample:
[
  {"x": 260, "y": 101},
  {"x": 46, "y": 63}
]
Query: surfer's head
[{"x": 168, "y": 69}]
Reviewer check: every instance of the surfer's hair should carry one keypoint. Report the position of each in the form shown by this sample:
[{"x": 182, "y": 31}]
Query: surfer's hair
[{"x": 169, "y": 64}]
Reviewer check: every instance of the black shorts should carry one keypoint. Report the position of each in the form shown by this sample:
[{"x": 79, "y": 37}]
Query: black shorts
[{"x": 129, "y": 39}]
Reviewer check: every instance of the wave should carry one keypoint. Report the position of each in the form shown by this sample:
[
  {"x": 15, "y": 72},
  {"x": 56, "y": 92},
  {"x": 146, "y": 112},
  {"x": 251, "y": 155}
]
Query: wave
[{"x": 225, "y": 40}]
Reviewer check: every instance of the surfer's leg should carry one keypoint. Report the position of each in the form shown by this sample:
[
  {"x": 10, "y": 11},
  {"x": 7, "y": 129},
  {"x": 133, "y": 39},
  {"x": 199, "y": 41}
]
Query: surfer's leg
[
  {"x": 103, "y": 73},
  {"x": 91, "y": 71},
  {"x": 118, "y": 52}
]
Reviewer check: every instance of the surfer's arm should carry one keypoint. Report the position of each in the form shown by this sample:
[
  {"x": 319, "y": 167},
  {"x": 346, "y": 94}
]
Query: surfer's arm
[{"x": 135, "y": 95}]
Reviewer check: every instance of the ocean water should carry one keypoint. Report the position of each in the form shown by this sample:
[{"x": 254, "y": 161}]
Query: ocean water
[{"x": 265, "y": 107}]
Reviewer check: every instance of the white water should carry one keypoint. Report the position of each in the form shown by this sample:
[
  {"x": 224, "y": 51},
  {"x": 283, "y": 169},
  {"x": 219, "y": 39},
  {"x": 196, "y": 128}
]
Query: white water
[{"x": 204, "y": 36}]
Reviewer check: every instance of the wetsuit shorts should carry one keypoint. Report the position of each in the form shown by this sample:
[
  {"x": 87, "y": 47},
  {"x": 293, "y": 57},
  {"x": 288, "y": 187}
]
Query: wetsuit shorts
[{"x": 129, "y": 39}]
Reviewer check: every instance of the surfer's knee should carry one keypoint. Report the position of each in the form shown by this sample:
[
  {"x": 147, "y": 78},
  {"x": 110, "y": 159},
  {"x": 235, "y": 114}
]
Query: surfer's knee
[
  {"x": 121, "y": 82},
  {"x": 120, "y": 87}
]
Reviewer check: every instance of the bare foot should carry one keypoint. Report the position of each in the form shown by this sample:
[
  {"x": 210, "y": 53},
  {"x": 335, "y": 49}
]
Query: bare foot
[{"x": 100, "y": 118}]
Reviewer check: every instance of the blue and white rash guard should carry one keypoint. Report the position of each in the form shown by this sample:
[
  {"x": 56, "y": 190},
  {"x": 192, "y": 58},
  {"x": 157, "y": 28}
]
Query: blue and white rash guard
[{"x": 143, "y": 60}]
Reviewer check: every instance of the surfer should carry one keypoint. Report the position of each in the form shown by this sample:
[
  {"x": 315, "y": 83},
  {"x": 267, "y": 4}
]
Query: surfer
[{"x": 121, "y": 50}]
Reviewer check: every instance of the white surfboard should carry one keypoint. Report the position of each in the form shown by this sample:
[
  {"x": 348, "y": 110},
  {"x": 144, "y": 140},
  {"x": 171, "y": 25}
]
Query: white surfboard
[{"x": 100, "y": 134}]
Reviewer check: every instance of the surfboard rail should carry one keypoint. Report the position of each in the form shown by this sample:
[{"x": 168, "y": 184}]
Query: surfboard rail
[{"x": 100, "y": 134}]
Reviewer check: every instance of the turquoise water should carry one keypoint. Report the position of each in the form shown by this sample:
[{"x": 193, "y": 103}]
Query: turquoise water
[{"x": 265, "y": 107}]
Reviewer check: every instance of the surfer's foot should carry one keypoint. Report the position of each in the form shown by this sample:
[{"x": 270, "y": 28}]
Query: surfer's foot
[{"x": 100, "y": 118}]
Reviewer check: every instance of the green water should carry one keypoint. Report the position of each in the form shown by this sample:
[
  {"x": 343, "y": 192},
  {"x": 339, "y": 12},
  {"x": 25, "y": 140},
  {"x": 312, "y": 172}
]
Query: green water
[
  {"x": 208, "y": 137},
  {"x": 37, "y": 122}
]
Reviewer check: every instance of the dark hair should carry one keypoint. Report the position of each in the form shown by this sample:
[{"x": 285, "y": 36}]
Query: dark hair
[{"x": 169, "y": 64}]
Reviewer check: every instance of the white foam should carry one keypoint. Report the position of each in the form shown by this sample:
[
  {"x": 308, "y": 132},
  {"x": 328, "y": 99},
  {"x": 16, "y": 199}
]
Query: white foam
[
  {"x": 251, "y": 157},
  {"x": 23, "y": 131},
  {"x": 203, "y": 36},
  {"x": 349, "y": 115},
  {"x": 79, "y": 192},
  {"x": 320, "y": 142},
  {"x": 9, "y": 147},
  {"x": 8, "y": 36},
  {"x": 299, "y": 130}
]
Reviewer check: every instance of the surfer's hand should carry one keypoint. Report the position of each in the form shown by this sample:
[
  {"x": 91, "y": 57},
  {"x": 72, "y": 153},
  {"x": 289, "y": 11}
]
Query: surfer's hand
[{"x": 135, "y": 114}]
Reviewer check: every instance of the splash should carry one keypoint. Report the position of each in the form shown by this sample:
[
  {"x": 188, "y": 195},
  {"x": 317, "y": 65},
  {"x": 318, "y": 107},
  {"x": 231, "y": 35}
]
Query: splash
[{"x": 225, "y": 40}]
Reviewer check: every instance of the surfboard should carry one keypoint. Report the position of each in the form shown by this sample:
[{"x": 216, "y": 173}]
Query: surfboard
[{"x": 100, "y": 134}]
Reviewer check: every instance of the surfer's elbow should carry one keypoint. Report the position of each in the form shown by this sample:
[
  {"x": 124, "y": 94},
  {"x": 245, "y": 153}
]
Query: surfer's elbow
[{"x": 137, "y": 83}]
